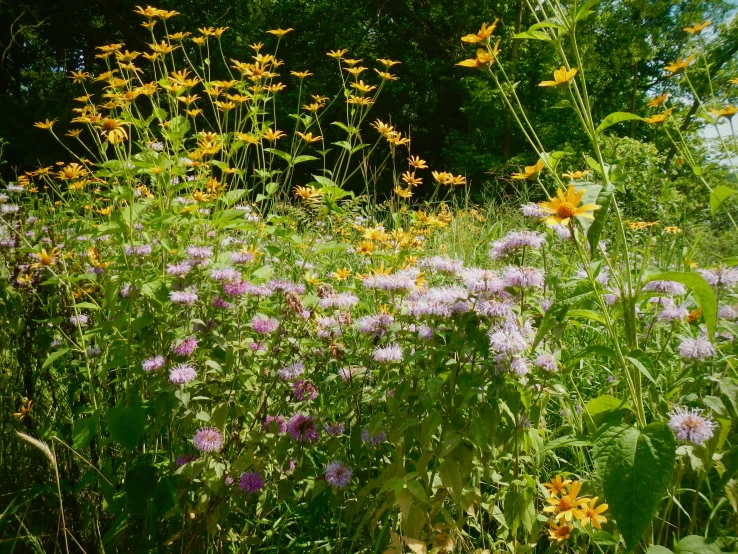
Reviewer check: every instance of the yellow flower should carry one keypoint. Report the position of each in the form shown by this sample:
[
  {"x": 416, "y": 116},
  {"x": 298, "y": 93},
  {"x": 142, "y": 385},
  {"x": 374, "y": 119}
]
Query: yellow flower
[
  {"x": 443, "y": 177},
  {"x": 314, "y": 107},
  {"x": 698, "y": 28},
  {"x": 361, "y": 87},
  {"x": 529, "y": 171},
  {"x": 355, "y": 71},
  {"x": 105, "y": 211},
  {"x": 26, "y": 408},
  {"x": 45, "y": 124},
  {"x": 79, "y": 76},
  {"x": 387, "y": 63},
  {"x": 197, "y": 40},
  {"x": 71, "y": 171},
  {"x": 308, "y": 137},
  {"x": 359, "y": 100},
  {"x": 561, "y": 76},
  {"x": 417, "y": 163},
  {"x": 483, "y": 34},
  {"x": 557, "y": 485},
  {"x": 564, "y": 507},
  {"x": 484, "y": 57},
  {"x": 727, "y": 112},
  {"x": 675, "y": 67},
  {"x": 385, "y": 75},
  {"x": 365, "y": 248},
  {"x": 306, "y": 193},
  {"x": 301, "y": 74},
  {"x": 559, "y": 533},
  {"x": 280, "y": 32},
  {"x": 574, "y": 175},
  {"x": 163, "y": 47},
  {"x": 24, "y": 280},
  {"x": 660, "y": 99},
  {"x": 659, "y": 118},
  {"x": 733, "y": 81},
  {"x": 113, "y": 130},
  {"x": 383, "y": 127},
  {"x": 341, "y": 274},
  {"x": 589, "y": 514},
  {"x": 397, "y": 139},
  {"x": 565, "y": 206},
  {"x": 338, "y": 54},
  {"x": 45, "y": 258},
  {"x": 672, "y": 230},
  {"x": 256, "y": 46},
  {"x": 272, "y": 136},
  {"x": 411, "y": 179},
  {"x": 403, "y": 193},
  {"x": 199, "y": 196}
]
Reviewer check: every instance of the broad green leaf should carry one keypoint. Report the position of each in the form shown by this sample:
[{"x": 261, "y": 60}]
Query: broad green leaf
[
  {"x": 88, "y": 306},
  {"x": 588, "y": 314},
  {"x": 83, "y": 431},
  {"x": 325, "y": 181},
  {"x": 594, "y": 232},
  {"x": 642, "y": 368},
  {"x": 552, "y": 159},
  {"x": 602, "y": 406},
  {"x": 54, "y": 356},
  {"x": 343, "y": 144},
  {"x": 533, "y": 35},
  {"x": 694, "y": 544},
  {"x": 331, "y": 246},
  {"x": 585, "y": 10},
  {"x": 127, "y": 425},
  {"x": 659, "y": 550},
  {"x": 303, "y": 158},
  {"x": 519, "y": 509},
  {"x": 636, "y": 468},
  {"x": 719, "y": 195},
  {"x": 280, "y": 153},
  {"x": 451, "y": 478},
  {"x": 702, "y": 291},
  {"x": 615, "y": 118}
]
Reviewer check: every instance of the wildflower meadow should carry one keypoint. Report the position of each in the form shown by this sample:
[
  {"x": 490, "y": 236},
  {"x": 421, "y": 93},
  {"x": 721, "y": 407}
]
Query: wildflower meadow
[{"x": 241, "y": 312}]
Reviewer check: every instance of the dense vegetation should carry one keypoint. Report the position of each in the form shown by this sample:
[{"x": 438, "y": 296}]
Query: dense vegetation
[{"x": 421, "y": 294}]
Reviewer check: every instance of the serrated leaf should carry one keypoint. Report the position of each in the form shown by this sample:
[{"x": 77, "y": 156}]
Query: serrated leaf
[
  {"x": 636, "y": 468},
  {"x": 703, "y": 293},
  {"x": 615, "y": 118}
]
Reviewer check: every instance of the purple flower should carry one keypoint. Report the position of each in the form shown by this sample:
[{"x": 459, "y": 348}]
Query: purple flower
[
  {"x": 523, "y": 277},
  {"x": 669, "y": 287},
  {"x": 279, "y": 421},
  {"x": 337, "y": 475},
  {"x": 343, "y": 300},
  {"x": 696, "y": 349},
  {"x": 507, "y": 340},
  {"x": 493, "y": 308},
  {"x": 403, "y": 280},
  {"x": 425, "y": 332},
  {"x": 720, "y": 276},
  {"x": 236, "y": 288},
  {"x": 373, "y": 440},
  {"x": 673, "y": 313},
  {"x": 292, "y": 371},
  {"x": 93, "y": 351},
  {"x": 442, "y": 264},
  {"x": 728, "y": 312},
  {"x": 334, "y": 429},
  {"x": 79, "y": 320},
  {"x": 304, "y": 390},
  {"x": 241, "y": 257},
  {"x": 519, "y": 366},
  {"x": 515, "y": 241},
  {"x": 691, "y": 425},
  {"x": 329, "y": 327},
  {"x": 228, "y": 480},
  {"x": 482, "y": 280},
  {"x": 182, "y": 374},
  {"x": 251, "y": 482},
  {"x": 208, "y": 439},
  {"x": 264, "y": 325},
  {"x": 152, "y": 364},
  {"x": 225, "y": 275},
  {"x": 186, "y": 347},
  {"x": 138, "y": 251},
  {"x": 301, "y": 427},
  {"x": 611, "y": 299},
  {"x": 532, "y": 210},
  {"x": 185, "y": 459},
  {"x": 391, "y": 353},
  {"x": 562, "y": 231},
  {"x": 183, "y": 297},
  {"x": 199, "y": 253},
  {"x": 178, "y": 270},
  {"x": 220, "y": 304},
  {"x": 377, "y": 324},
  {"x": 546, "y": 362}
]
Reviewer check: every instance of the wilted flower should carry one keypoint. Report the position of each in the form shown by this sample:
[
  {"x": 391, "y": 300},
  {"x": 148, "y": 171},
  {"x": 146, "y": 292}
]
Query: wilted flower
[
  {"x": 334, "y": 429},
  {"x": 304, "y": 390},
  {"x": 185, "y": 459}
]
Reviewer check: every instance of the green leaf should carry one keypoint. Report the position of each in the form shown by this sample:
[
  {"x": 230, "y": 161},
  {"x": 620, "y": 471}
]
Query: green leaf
[
  {"x": 636, "y": 467},
  {"x": 533, "y": 35},
  {"x": 127, "y": 425},
  {"x": 331, "y": 246},
  {"x": 53, "y": 356},
  {"x": 694, "y": 544},
  {"x": 552, "y": 159},
  {"x": 603, "y": 200},
  {"x": 325, "y": 181},
  {"x": 519, "y": 509},
  {"x": 303, "y": 158},
  {"x": 615, "y": 118},
  {"x": 658, "y": 550},
  {"x": 565, "y": 442},
  {"x": 83, "y": 431},
  {"x": 451, "y": 478},
  {"x": 602, "y": 406},
  {"x": 703, "y": 293},
  {"x": 642, "y": 368},
  {"x": 279, "y": 153},
  {"x": 585, "y": 10},
  {"x": 719, "y": 195}
]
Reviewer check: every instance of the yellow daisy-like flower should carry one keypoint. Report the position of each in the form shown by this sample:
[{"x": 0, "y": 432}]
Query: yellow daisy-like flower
[
  {"x": 301, "y": 74},
  {"x": 564, "y": 507},
  {"x": 338, "y": 54},
  {"x": 659, "y": 118},
  {"x": 417, "y": 163},
  {"x": 403, "y": 193},
  {"x": 660, "y": 99},
  {"x": 559, "y": 533},
  {"x": 529, "y": 171},
  {"x": 271, "y": 136},
  {"x": 727, "y": 112},
  {"x": 561, "y": 77},
  {"x": 483, "y": 34},
  {"x": 564, "y": 207},
  {"x": 675, "y": 67},
  {"x": 698, "y": 28},
  {"x": 557, "y": 485},
  {"x": 574, "y": 175},
  {"x": 672, "y": 230},
  {"x": 589, "y": 514},
  {"x": 410, "y": 178},
  {"x": 308, "y": 137},
  {"x": 280, "y": 32},
  {"x": 341, "y": 274},
  {"x": 47, "y": 125}
]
